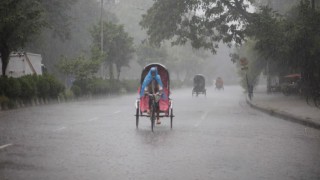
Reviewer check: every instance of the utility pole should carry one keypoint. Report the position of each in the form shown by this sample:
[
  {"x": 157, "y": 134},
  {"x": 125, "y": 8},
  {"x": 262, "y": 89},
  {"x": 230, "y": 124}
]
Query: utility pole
[
  {"x": 101, "y": 30},
  {"x": 101, "y": 39}
]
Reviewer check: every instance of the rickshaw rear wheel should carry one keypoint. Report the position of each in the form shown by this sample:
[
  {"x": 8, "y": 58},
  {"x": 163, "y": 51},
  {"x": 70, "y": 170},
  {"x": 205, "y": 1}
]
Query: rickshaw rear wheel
[
  {"x": 171, "y": 117},
  {"x": 152, "y": 118},
  {"x": 137, "y": 115}
]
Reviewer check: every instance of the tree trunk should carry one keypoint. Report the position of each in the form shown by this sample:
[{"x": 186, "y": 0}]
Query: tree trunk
[
  {"x": 111, "y": 76},
  {"x": 313, "y": 4},
  {"x": 5, "y": 53},
  {"x": 118, "y": 72}
]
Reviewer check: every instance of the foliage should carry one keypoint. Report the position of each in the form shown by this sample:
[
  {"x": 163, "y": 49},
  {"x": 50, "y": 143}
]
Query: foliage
[
  {"x": 55, "y": 86},
  {"x": 68, "y": 94},
  {"x": 185, "y": 59},
  {"x": 28, "y": 87},
  {"x": 117, "y": 45},
  {"x": 76, "y": 90},
  {"x": 288, "y": 43},
  {"x": 203, "y": 22},
  {"x": 56, "y": 14},
  {"x": 147, "y": 53},
  {"x": 4, "y": 101},
  {"x": 83, "y": 84},
  {"x": 268, "y": 30},
  {"x": 131, "y": 85},
  {"x": 10, "y": 87},
  {"x": 19, "y": 20},
  {"x": 304, "y": 31},
  {"x": 79, "y": 67},
  {"x": 68, "y": 33},
  {"x": 256, "y": 64},
  {"x": 43, "y": 87},
  {"x": 292, "y": 39},
  {"x": 98, "y": 86}
]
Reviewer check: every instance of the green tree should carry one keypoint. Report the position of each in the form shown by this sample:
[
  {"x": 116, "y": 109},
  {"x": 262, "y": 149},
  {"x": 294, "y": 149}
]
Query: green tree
[
  {"x": 185, "y": 59},
  {"x": 117, "y": 45},
  {"x": 79, "y": 67},
  {"x": 68, "y": 33},
  {"x": 287, "y": 43},
  {"x": 268, "y": 30},
  {"x": 147, "y": 53},
  {"x": 203, "y": 22},
  {"x": 304, "y": 23},
  {"x": 58, "y": 16},
  {"x": 19, "y": 20},
  {"x": 291, "y": 39}
]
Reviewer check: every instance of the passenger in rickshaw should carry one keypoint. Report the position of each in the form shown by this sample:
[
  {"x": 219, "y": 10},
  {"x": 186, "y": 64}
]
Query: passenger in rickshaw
[
  {"x": 219, "y": 83},
  {"x": 146, "y": 88}
]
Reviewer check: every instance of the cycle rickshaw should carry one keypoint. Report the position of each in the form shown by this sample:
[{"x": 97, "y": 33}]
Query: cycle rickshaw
[
  {"x": 199, "y": 84},
  {"x": 165, "y": 103},
  {"x": 219, "y": 83},
  {"x": 291, "y": 84}
]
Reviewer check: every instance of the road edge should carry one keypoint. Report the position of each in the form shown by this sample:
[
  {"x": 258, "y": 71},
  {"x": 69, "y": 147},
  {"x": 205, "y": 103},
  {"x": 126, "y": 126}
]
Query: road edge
[{"x": 284, "y": 115}]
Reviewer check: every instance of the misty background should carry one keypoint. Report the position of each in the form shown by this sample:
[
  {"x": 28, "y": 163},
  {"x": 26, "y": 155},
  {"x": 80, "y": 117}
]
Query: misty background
[{"x": 73, "y": 38}]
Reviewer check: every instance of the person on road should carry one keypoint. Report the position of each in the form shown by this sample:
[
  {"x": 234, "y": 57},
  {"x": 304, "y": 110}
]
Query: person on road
[{"x": 152, "y": 84}]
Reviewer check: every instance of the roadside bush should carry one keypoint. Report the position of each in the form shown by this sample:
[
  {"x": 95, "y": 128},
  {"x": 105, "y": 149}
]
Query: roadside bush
[
  {"x": 12, "y": 104},
  {"x": 131, "y": 85},
  {"x": 4, "y": 101},
  {"x": 12, "y": 88},
  {"x": 76, "y": 90},
  {"x": 83, "y": 84},
  {"x": 115, "y": 87},
  {"x": 56, "y": 87},
  {"x": 2, "y": 85},
  {"x": 43, "y": 87},
  {"x": 68, "y": 94},
  {"x": 28, "y": 87},
  {"x": 99, "y": 86},
  {"x": 176, "y": 84}
]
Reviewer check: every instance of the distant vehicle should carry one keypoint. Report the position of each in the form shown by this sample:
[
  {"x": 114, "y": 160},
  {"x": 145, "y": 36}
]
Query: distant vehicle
[
  {"x": 199, "y": 85},
  {"x": 21, "y": 64},
  {"x": 219, "y": 83},
  {"x": 291, "y": 84}
]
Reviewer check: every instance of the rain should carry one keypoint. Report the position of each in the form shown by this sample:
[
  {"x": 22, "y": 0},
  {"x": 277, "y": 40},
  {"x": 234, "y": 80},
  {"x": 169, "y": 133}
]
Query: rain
[{"x": 159, "y": 89}]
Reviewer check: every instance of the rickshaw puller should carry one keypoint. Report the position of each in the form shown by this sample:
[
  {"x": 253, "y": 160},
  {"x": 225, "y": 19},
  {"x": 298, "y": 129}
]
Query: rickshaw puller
[{"x": 147, "y": 88}]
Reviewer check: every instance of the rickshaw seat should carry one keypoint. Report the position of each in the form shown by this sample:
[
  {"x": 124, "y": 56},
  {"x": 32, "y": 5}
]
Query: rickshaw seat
[{"x": 163, "y": 102}]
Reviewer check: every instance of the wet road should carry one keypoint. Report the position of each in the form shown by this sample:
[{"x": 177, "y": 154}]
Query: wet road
[{"x": 218, "y": 137}]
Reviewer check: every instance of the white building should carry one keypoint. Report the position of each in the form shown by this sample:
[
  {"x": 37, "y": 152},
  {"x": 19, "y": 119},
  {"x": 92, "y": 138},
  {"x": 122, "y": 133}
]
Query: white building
[{"x": 21, "y": 64}]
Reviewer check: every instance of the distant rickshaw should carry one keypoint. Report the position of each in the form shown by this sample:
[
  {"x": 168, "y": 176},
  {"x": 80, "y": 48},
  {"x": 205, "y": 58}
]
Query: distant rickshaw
[
  {"x": 291, "y": 84},
  {"x": 219, "y": 84},
  {"x": 199, "y": 85}
]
